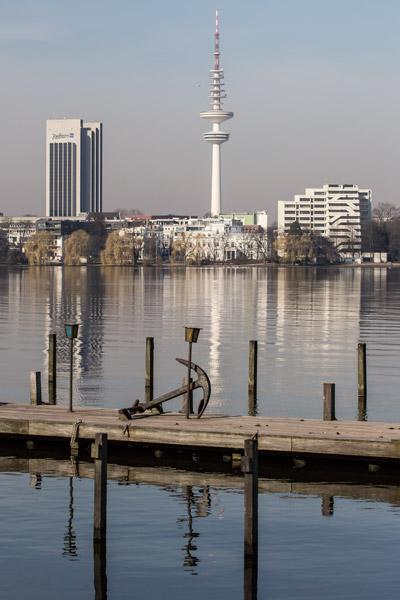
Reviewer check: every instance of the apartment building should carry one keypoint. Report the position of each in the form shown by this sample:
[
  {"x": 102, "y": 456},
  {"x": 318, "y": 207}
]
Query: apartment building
[{"x": 336, "y": 211}]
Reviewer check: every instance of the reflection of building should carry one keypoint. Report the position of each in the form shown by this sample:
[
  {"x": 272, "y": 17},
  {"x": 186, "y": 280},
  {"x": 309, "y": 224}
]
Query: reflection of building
[
  {"x": 335, "y": 211},
  {"x": 76, "y": 295},
  {"x": 74, "y": 152}
]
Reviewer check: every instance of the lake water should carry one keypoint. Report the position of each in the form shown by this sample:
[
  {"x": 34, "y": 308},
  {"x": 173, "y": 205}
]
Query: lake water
[
  {"x": 184, "y": 540},
  {"x": 308, "y": 322}
]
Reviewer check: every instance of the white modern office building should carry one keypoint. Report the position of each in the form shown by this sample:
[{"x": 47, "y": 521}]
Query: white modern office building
[
  {"x": 336, "y": 211},
  {"x": 74, "y": 174}
]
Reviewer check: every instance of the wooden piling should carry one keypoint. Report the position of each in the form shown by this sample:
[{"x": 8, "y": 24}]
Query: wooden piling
[
  {"x": 52, "y": 368},
  {"x": 329, "y": 402},
  {"x": 250, "y": 470},
  {"x": 36, "y": 387},
  {"x": 149, "y": 370},
  {"x": 252, "y": 379},
  {"x": 99, "y": 453},
  {"x": 362, "y": 381}
]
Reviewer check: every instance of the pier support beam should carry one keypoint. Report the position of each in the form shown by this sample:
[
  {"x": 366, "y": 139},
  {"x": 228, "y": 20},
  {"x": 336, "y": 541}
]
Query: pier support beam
[
  {"x": 99, "y": 453},
  {"x": 250, "y": 470},
  {"x": 362, "y": 381},
  {"x": 252, "y": 379}
]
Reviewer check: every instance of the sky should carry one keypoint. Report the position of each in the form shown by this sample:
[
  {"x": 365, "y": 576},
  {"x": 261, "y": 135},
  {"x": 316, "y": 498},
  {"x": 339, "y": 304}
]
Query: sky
[{"x": 314, "y": 85}]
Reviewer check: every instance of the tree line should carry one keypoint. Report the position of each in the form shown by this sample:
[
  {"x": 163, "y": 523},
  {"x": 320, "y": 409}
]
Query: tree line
[{"x": 382, "y": 233}]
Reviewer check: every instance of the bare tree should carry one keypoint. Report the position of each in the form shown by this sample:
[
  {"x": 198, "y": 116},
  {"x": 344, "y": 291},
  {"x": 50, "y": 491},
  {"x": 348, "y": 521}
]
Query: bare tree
[{"x": 385, "y": 212}]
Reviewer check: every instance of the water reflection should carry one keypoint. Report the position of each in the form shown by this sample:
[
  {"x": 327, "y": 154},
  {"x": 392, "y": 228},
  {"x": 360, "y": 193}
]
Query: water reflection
[
  {"x": 70, "y": 548},
  {"x": 100, "y": 569},
  {"x": 205, "y": 546},
  {"x": 200, "y": 502},
  {"x": 307, "y": 321}
]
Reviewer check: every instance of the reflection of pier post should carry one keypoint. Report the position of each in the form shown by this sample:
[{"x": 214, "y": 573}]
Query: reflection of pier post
[
  {"x": 327, "y": 505},
  {"x": 190, "y": 559},
  {"x": 70, "y": 548},
  {"x": 100, "y": 569},
  {"x": 250, "y": 578}
]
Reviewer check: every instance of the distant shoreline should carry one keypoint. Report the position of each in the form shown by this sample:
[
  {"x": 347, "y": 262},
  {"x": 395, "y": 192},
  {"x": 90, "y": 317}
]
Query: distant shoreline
[{"x": 387, "y": 265}]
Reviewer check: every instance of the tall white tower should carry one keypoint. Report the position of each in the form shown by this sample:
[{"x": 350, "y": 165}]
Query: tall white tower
[{"x": 216, "y": 115}]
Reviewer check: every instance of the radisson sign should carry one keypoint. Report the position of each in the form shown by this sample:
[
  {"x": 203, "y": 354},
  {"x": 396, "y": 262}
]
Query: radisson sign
[{"x": 62, "y": 136}]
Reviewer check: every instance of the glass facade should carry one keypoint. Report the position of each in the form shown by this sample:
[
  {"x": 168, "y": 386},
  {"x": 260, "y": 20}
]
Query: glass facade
[{"x": 62, "y": 179}]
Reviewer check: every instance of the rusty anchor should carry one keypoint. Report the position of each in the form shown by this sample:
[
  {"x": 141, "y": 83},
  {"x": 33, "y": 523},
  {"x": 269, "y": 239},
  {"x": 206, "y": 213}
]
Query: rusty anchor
[{"x": 202, "y": 382}]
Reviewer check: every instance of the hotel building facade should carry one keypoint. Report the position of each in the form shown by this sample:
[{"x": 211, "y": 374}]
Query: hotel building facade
[{"x": 74, "y": 169}]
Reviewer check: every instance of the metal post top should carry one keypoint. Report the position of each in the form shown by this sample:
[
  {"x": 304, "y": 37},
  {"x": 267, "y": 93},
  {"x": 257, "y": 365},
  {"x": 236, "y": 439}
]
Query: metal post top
[
  {"x": 71, "y": 330},
  {"x": 192, "y": 334}
]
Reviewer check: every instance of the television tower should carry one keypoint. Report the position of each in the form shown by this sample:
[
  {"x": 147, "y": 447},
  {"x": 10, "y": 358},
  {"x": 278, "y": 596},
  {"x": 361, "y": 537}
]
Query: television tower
[{"x": 216, "y": 116}]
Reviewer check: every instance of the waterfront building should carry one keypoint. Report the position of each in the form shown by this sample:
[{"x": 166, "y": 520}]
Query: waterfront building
[
  {"x": 74, "y": 173},
  {"x": 249, "y": 218},
  {"x": 216, "y": 115},
  {"x": 18, "y": 229},
  {"x": 336, "y": 211}
]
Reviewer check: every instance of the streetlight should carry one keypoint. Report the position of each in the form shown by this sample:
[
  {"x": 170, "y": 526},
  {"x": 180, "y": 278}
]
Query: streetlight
[
  {"x": 191, "y": 336},
  {"x": 71, "y": 331}
]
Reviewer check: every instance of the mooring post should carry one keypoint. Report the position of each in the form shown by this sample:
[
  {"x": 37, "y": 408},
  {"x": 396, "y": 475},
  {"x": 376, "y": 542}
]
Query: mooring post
[
  {"x": 362, "y": 381},
  {"x": 329, "y": 402},
  {"x": 36, "y": 387},
  {"x": 252, "y": 380},
  {"x": 149, "y": 370},
  {"x": 250, "y": 470},
  {"x": 99, "y": 453},
  {"x": 52, "y": 368}
]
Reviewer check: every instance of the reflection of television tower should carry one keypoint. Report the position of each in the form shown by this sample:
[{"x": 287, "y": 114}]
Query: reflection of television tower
[{"x": 216, "y": 115}]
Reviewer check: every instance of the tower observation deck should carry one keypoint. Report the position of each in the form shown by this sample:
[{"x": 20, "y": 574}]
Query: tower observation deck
[{"x": 216, "y": 115}]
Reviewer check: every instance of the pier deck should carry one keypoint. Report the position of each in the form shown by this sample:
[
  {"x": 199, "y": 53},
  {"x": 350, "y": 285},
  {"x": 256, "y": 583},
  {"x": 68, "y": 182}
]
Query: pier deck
[{"x": 371, "y": 440}]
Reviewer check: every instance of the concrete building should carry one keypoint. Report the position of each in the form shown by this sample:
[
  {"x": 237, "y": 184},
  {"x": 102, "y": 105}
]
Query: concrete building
[
  {"x": 74, "y": 174},
  {"x": 249, "y": 218},
  {"x": 336, "y": 211},
  {"x": 216, "y": 115}
]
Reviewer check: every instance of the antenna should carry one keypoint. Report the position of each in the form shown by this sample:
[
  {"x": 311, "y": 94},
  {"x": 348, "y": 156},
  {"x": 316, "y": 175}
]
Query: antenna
[{"x": 216, "y": 43}]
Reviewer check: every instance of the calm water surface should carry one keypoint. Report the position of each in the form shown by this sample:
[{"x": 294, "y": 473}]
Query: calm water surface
[
  {"x": 308, "y": 323},
  {"x": 185, "y": 541}
]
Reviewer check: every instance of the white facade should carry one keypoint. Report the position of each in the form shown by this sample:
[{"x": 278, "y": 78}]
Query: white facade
[
  {"x": 216, "y": 116},
  {"x": 335, "y": 211},
  {"x": 74, "y": 152}
]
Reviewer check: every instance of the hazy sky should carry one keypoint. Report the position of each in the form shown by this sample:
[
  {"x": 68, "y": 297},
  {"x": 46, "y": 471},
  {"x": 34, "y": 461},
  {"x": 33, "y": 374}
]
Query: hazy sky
[{"x": 314, "y": 85}]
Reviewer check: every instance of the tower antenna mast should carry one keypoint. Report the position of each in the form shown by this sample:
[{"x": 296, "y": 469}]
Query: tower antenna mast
[{"x": 216, "y": 115}]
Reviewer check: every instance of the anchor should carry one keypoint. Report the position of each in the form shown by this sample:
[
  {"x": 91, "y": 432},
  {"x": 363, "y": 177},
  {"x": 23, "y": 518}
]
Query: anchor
[{"x": 202, "y": 382}]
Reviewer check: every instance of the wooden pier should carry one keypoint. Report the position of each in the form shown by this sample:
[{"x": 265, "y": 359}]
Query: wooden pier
[{"x": 283, "y": 436}]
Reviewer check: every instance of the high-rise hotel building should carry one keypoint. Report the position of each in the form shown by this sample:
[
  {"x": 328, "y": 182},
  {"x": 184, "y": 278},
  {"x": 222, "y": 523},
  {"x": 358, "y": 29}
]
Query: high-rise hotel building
[
  {"x": 337, "y": 211},
  {"x": 74, "y": 167}
]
